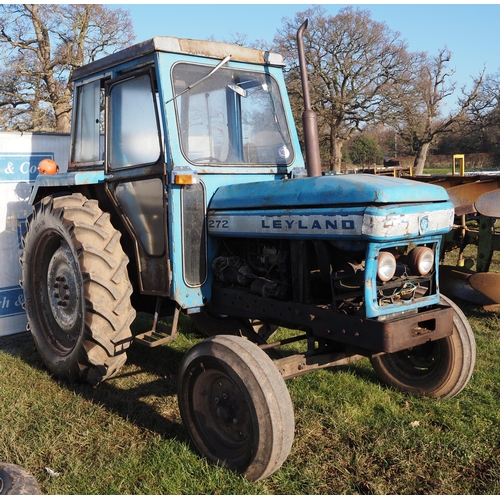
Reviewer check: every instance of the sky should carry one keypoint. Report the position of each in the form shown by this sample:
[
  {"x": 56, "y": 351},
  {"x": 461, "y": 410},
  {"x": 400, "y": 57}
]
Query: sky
[{"x": 469, "y": 31}]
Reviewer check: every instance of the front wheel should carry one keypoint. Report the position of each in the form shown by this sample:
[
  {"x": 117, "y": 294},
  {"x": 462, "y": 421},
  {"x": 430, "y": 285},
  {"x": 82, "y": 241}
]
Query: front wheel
[
  {"x": 236, "y": 406},
  {"x": 439, "y": 369}
]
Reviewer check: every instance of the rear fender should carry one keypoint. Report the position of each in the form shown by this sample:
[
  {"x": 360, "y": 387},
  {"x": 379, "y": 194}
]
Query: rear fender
[{"x": 48, "y": 184}]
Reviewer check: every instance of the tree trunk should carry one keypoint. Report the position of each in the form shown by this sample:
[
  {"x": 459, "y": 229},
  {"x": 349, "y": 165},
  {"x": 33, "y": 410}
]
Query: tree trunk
[
  {"x": 336, "y": 154},
  {"x": 63, "y": 122},
  {"x": 62, "y": 110},
  {"x": 419, "y": 163}
]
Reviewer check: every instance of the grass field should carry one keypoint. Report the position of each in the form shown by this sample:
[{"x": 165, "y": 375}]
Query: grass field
[{"x": 353, "y": 435}]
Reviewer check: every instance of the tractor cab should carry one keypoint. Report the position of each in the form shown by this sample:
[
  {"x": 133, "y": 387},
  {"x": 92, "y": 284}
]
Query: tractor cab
[{"x": 162, "y": 125}]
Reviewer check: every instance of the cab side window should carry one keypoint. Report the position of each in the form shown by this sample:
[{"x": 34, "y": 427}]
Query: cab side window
[
  {"x": 133, "y": 135},
  {"x": 87, "y": 145}
]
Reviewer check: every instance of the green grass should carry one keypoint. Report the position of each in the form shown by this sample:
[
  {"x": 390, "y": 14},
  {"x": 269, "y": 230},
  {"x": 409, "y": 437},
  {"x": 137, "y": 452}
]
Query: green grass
[
  {"x": 438, "y": 171},
  {"x": 353, "y": 435}
]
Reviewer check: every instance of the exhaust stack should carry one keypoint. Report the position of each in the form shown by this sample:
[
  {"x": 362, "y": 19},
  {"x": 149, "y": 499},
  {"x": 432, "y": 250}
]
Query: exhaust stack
[{"x": 311, "y": 139}]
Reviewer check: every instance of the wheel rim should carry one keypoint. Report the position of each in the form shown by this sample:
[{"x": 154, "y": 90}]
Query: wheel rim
[
  {"x": 222, "y": 416},
  {"x": 60, "y": 290},
  {"x": 419, "y": 362}
]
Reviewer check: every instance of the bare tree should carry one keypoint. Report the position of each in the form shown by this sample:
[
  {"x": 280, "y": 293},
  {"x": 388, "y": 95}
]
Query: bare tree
[
  {"x": 484, "y": 115},
  {"x": 416, "y": 103},
  {"x": 40, "y": 45},
  {"x": 352, "y": 61}
]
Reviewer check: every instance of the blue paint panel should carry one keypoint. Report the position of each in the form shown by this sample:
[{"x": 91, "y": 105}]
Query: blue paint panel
[
  {"x": 328, "y": 190},
  {"x": 371, "y": 301},
  {"x": 186, "y": 296},
  {"x": 11, "y": 299},
  {"x": 16, "y": 167}
]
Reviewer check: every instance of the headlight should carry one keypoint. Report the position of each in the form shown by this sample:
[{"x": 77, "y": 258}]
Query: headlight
[
  {"x": 386, "y": 266},
  {"x": 421, "y": 260}
]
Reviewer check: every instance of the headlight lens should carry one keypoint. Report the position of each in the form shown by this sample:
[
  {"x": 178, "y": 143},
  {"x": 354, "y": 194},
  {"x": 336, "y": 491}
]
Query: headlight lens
[
  {"x": 421, "y": 260},
  {"x": 386, "y": 266}
]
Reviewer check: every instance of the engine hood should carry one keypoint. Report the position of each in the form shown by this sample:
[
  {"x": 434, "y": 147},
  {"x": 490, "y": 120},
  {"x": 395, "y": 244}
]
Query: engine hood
[{"x": 335, "y": 190}]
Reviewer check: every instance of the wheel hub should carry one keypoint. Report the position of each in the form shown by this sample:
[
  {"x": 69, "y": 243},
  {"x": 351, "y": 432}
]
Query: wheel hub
[
  {"x": 229, "y": 409},
  {"x": 418, "y": 362}
]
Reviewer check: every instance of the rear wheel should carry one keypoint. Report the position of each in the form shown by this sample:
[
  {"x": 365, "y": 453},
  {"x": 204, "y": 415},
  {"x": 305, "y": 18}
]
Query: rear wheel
[
  {"x": 441, "y": 368},
  {"x": 236, "y": 406},
  {"x": 76, "y": 289}
]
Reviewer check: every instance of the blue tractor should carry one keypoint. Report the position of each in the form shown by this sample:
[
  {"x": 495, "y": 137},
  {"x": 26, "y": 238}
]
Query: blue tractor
[{"x": 187, "y": 189}]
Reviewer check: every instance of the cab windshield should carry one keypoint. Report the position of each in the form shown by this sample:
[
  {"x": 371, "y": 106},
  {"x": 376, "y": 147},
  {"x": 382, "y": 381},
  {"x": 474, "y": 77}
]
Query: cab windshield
[{"x": 234, "y": 117}]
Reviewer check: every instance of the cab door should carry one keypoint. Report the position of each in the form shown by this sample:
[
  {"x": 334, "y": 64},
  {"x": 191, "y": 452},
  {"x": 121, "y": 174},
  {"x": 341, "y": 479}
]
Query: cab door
[{"x": 135, "y": 166}]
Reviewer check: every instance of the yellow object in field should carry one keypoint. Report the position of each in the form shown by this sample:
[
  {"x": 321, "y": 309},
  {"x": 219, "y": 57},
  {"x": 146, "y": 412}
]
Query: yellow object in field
[{"x": 461, "y": 161}]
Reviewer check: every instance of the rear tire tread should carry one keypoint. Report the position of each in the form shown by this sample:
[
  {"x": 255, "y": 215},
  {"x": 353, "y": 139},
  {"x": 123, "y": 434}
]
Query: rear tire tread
[{"x": 108, "y": 313}]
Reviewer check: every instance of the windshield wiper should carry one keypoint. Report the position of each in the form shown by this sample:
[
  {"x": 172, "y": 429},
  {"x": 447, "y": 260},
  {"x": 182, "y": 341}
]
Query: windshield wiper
[{"x": 224, "y": 61}]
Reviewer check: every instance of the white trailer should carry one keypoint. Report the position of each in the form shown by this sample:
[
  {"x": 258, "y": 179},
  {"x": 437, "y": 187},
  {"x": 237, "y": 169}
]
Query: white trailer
[{"x": 20, "y": 153}]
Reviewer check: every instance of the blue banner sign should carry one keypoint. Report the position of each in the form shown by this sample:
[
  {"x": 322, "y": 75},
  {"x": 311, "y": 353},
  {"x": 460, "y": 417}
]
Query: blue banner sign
[
  {"x": 11, "y": 300},
  {"x": 21, "y": 166}
]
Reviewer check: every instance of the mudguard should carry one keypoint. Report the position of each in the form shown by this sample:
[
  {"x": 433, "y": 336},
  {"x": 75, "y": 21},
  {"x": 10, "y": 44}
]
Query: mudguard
[{"x": 66, "y": 179}]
